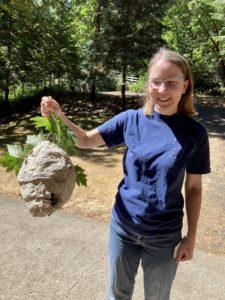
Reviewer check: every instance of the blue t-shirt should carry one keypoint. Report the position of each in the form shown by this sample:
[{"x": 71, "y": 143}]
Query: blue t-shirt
[{"x": 159, "y": 149}]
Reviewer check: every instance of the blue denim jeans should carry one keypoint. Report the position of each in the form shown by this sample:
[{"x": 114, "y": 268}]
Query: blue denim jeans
[{"x": 127, "y": 249}]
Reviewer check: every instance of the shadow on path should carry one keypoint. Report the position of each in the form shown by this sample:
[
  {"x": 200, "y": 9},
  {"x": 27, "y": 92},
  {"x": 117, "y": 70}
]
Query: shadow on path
[
  {"x": 103, "y": 155},
  {"x": 213, "y": 117}
]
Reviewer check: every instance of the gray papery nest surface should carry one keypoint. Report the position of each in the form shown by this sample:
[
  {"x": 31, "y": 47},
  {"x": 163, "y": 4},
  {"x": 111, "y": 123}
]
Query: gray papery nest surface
[{"x": 47, "y": 179}]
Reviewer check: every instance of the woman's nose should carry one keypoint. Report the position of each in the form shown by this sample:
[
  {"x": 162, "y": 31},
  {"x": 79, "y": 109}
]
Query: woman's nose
[{"x": 162, "y": 87}]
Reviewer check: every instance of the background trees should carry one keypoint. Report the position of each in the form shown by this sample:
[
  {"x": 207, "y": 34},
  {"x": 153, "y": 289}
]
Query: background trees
[
  {"x": 44, "y": 43},
  {"x": 13, "y": 44},
  {"x": 193, "y": 28},
  {"x": 37, "y": 45},
  {"x": 130, "y": 33}
]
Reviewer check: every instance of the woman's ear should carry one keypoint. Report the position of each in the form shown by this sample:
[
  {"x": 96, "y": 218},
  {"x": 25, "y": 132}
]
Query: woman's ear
[{"x": 186, "y": 84}]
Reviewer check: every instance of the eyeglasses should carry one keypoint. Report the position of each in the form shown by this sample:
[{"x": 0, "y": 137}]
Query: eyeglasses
[{"x": 170, "y": 83}]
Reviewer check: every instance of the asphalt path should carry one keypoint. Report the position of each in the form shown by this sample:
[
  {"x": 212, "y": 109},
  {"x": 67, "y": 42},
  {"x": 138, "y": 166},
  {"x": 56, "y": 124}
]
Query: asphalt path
[{"x": 64, "y": 257}]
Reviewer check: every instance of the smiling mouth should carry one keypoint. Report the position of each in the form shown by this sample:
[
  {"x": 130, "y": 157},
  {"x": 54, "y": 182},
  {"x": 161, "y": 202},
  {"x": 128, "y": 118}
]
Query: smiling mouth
[{"x": 163, "y": 100}]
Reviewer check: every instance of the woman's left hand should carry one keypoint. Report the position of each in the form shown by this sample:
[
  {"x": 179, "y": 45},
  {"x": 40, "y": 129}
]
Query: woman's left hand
[{"x": 185, "y": 250}]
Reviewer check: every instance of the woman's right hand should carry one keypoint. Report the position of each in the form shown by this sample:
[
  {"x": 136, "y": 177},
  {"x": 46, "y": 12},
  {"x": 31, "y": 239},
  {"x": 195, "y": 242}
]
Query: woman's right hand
[{"x": 48, "y": 105}]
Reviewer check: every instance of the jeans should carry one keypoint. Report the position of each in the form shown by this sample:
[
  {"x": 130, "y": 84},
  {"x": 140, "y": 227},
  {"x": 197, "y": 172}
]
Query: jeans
[{"x": 127, "y": 249}]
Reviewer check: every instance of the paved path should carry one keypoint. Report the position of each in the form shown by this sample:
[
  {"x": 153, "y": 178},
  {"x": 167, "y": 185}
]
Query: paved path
[{"x": 65, "y": 257}]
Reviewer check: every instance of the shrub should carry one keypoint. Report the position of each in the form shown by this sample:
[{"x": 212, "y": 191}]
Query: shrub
[{"x": 140, "y": 86}]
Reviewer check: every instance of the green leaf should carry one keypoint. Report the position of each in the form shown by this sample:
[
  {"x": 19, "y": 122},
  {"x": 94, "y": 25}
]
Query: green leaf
[
  {"x": 81, "y": 177},
  {"x": 34, "y": 140},
  {"x": 15, "y": 150},
  {"x": 60, "y": 134},
  {"x": 27, "y": 149},
  {"x": 63, "y": 136},
  {"x": 11, "y": 163},
  {"x": 40, "y": 122},
  {"x": 67, "y": 141}
]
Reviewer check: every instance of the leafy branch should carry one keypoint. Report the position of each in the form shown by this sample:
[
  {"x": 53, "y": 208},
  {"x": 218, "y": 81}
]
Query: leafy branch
[{"x": 57, "y": 133}]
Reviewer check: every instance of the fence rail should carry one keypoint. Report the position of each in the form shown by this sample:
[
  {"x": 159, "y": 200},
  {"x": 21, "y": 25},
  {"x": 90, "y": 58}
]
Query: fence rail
[
  {"x": 132, "y": 79},
  {"x": 86, "y": 88},
  {"x": 129, "y": 78}
]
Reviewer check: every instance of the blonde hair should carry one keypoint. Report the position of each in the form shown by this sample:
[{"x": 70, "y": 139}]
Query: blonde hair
[{"x": 185, "y": 105}]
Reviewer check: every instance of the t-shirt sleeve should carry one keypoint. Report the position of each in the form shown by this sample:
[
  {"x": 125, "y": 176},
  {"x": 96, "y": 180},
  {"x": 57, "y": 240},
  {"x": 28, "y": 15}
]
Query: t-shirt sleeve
[
  {"x": 112, "y": 131},
  {"x": 199, "y": 162}
]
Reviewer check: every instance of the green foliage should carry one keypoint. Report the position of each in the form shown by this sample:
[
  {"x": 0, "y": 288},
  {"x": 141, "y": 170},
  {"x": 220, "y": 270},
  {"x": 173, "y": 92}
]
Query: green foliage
[
  {"x": 57, "y": 133},
  {"x": 60, "y": 134},
  {"x": 16, "y": 153},
  {"x": 140, "y": 86},
  {"x": 11, "y": 163},
  {"x": 52, "y": 43},
  {"x": 105, "y": 82},
  {"x": 40, "y": 122},
  {"x": 219, "y": 17},
  {"x": 34, "y": 140},
  {"x": 81, "y": 178},
  {"x": 37, "y": 44},
  {"x": 191, "y": 29},
  {"x": 131, "y": 32}
]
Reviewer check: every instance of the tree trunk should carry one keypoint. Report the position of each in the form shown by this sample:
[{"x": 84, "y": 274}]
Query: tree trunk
[
  {"x": 7, "y": 84},
  {"x": 93, "y": 92},
  {"x": 45, "y": 85},
  {"x": 7, "y": 75},
  {"x": 222, "y": 64},
  {"x": 7, "y": 94},
  {"x": 44, "y": 70},
  {"x": 98, "y": 19},
  {"x": 14, "y": 92},
  {"x": 50, "y": 81},
  {"x": 123, "y": 88},
  {"x": 216, "y": 48},
  {"x": 22, "y": 90}
]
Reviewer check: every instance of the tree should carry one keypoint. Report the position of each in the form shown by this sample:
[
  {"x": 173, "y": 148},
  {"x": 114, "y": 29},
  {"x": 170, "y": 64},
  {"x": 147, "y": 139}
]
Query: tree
[
  {"x": 130, "y": 33},
  {"x": 37, "y": 45},
  {"x": 219, "y": 17},
  {"x": 191, "y": 30},
  {"x": 55, "y": 52},
  {"x": 88, "y": 20},
  {"x": 12, "y": 19}
]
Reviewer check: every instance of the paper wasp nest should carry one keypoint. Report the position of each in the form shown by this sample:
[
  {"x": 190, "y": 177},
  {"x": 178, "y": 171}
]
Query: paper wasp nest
[{"x": 47, "y": 179}]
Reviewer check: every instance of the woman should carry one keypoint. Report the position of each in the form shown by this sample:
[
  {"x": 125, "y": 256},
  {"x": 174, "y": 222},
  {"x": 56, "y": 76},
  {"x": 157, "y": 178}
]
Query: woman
[{"x": 164, "y": 146}]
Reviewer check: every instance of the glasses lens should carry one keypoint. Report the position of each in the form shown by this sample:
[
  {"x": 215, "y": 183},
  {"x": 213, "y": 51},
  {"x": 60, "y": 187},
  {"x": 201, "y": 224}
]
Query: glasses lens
[{"x": 170, "y": 83}]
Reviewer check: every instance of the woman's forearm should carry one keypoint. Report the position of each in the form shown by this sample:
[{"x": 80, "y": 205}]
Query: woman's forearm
[
  {"x": 80, "y": 134},
  {"x": 193, "y": 200},
  {"x": 85, "y": 139}
]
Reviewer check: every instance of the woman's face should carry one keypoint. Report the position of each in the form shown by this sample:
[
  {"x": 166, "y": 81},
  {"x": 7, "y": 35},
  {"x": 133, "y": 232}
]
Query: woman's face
[{"x": 166, "y": 86}]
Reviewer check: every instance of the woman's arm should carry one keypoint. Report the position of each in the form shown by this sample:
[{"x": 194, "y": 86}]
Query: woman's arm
[
  {"x": 85, "y": 139},
  {"x": 193, "y": 199}
]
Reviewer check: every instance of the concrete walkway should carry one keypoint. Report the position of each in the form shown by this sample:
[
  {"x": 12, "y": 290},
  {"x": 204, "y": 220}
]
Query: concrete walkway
[{"x": 65, "y": 257}]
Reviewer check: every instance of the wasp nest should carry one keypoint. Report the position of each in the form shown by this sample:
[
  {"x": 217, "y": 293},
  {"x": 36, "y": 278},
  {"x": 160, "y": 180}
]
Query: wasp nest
[{"x": 47, "y": 179}]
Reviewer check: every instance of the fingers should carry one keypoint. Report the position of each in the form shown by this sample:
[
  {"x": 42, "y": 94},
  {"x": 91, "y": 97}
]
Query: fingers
[
  {"x": 45, "y": 113},
  {"x": 48, "y": 105},
  {"x": 185, "y": 251},
  {"x": 48, "y": 102},
  {"x": 182, "y": 256}
]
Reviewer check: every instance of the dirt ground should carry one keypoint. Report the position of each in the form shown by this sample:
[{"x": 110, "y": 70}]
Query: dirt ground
[{"x": 104, "y": 171}]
